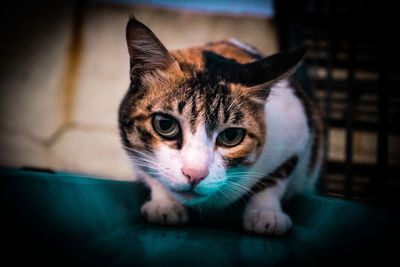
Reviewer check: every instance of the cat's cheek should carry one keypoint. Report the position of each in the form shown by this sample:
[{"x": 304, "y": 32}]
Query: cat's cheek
[{"x": 169, "y": 166}]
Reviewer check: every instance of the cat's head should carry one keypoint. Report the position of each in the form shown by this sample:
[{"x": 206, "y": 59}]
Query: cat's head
[{"x": 193, "y": 119}]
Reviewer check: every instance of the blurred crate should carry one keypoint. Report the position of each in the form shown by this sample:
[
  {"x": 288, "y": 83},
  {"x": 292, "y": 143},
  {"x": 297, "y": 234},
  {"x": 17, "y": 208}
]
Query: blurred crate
[{"x": 352, "y": 70}]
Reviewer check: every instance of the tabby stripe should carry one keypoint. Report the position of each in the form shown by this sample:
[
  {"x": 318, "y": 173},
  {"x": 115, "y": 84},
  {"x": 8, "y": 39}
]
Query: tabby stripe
[
  {"x": 212, "y": 113},
  {"x": 226, "y": 115},
  {"x": 282, "y": 172},
  {"x": 194, "y": 114},
  {"x": 181, "y": 105},
  {"x": 238, "y": 117}
]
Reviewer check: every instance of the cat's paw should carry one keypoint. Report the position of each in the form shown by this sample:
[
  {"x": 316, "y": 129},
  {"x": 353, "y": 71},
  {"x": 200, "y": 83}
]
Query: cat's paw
[
  {"x": 266, "y": 221},
  {"x": 164, "y": 212}
]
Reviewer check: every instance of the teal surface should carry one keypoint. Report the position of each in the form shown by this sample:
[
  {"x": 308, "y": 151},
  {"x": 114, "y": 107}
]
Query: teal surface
[{"x": 68, "y": 219}]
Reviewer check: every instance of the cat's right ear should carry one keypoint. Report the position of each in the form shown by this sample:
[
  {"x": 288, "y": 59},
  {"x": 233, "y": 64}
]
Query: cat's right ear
[
  {"x": 146, "y": 51},
  {"x": 260, "y": 75}
]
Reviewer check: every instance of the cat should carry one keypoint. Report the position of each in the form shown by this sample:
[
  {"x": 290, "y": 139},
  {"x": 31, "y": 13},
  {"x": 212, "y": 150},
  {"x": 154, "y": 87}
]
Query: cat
[{"x": 210, "y": 124}]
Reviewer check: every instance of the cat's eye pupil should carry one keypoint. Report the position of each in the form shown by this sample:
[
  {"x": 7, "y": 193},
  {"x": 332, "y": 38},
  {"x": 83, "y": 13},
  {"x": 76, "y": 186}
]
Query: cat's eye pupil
[
  {"x": 165, "y": 124},
  {"x": 231, "y": 134}
]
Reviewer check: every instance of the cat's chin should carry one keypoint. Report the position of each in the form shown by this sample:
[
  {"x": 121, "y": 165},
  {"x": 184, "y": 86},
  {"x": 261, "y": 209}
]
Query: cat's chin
[{"x": 189, "y": 197}]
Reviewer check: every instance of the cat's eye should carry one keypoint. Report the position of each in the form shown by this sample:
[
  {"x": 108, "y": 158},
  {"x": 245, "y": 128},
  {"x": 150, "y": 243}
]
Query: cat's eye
[
  {"x": 166, "y": 126},
  {"x": 231, "y": 137}
]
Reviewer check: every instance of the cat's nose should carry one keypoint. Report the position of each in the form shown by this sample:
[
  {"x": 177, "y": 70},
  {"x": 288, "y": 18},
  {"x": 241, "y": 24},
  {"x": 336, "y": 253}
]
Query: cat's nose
[{"x": 195, "y": 175}]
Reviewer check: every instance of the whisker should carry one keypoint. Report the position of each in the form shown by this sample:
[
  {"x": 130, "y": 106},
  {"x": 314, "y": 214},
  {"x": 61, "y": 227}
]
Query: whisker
[
  {"x": 246, "y": 173},
  {"x": 246, "y": 176},
  {"x": 239, "y": 194},
  {"x": 244, "y": 192},
  {"x": 146, "y": 164},
  {"x": 228, "y": 197},
  {"x": 148, "y": 159},
  {"x": 239, "y": 189},
  {"x": 138, "y": 152},
  {"x": 143, "y": 161}
]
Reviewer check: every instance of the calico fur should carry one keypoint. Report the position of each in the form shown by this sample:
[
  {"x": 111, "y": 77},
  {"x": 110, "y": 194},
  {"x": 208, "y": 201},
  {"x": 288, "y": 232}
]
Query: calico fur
[{"x": 207, "y": 90}]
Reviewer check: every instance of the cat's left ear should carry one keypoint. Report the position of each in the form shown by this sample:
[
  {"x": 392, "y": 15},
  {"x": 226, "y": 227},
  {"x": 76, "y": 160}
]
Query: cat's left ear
[
  {"x": 260, "y": 75},
  {"x": 146, "y": 51}
]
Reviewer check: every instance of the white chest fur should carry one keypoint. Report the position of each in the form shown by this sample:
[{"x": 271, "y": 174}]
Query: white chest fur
[
  {"x": 287, "y": 135},
  {"x": 287, "y": 130}
]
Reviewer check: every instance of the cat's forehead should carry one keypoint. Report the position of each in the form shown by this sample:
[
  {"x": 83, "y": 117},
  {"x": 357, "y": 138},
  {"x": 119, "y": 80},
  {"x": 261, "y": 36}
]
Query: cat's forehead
[
  {"x": 200, "y": 89},
  {"x": 214, "y": 102},
  {"x": 200, "y": 101}
]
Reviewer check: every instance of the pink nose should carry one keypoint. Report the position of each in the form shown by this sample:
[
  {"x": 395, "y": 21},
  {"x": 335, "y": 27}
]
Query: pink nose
[{"x": 195, "y": 175}]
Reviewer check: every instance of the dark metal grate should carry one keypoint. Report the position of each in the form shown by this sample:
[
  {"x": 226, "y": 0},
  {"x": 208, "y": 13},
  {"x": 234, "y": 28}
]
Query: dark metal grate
[{"x": 352, "y": 70}]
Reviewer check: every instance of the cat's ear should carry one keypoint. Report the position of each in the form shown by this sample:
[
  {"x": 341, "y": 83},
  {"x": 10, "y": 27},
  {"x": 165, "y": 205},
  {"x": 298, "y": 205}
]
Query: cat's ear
[
  {"x": 146, "y": 51},
  {"x": 260, "y": 75}
]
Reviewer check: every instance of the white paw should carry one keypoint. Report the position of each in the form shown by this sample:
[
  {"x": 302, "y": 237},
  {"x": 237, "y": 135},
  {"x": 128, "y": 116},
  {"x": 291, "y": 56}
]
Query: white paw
[
  {"x": 164, "y": 212},
  {"x": 266, "y": 221}
]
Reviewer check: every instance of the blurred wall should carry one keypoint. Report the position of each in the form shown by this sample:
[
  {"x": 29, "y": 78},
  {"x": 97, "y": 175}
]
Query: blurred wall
[{"x": 65, "y": 69}]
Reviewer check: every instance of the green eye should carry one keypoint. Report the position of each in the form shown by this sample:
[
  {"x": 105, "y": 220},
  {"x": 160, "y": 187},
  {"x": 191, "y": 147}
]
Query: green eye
[
  {"x": 230, "y": 137},
  {"x": 166, "y": 126}
]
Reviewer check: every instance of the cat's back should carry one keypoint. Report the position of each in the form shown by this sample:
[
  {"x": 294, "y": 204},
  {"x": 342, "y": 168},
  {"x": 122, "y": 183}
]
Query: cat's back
[{"x": 230, "y": 48}]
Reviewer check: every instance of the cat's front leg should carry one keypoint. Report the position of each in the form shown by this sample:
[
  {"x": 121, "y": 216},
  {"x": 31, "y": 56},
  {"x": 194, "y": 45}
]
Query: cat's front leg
[
  {"x": 162, "y": 208},
  {"x": 264, "y": 215}
]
